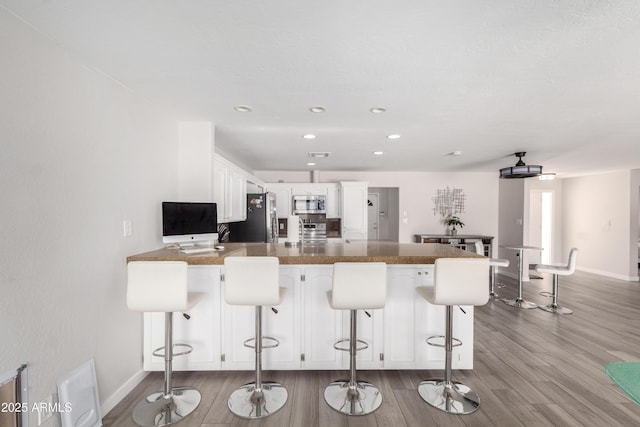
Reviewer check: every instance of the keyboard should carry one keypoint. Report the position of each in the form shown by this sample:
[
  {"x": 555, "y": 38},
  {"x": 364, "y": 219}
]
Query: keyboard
[{"x": 189, "y": 251}]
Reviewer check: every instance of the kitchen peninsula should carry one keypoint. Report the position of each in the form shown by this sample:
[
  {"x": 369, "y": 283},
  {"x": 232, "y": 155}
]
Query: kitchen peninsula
[{"x": 305, "y": 324}]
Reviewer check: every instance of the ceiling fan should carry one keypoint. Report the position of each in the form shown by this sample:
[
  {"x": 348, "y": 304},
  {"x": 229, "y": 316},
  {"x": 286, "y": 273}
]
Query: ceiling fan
[{"x": 520, "y": 170}]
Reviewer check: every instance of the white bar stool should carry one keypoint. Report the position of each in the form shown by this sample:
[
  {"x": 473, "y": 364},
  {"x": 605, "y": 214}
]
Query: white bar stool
[
  {"x": 356, "y": 286},
  {"x": 457, "y": 281},
  {"x": 558, "y": 270},
  {"x": 493, "y": 263},
  {"x": 161, "y": 286},
  {"x": 255, "y": 281}
]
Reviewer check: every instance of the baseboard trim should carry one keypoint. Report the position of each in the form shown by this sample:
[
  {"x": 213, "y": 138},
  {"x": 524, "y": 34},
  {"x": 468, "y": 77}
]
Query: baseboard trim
[
  {"x": 586, "y": 270},
  {"x": 122, "y": 392},
  {"x": 609, "y": 274}
]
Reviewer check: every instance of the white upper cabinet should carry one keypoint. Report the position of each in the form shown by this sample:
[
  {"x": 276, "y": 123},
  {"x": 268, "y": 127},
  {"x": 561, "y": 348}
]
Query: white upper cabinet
[
  {"x": 283, "y": 198},
  {"x": 286, "y": 190},
  {"x": 354, "y": 210},
  {"x": 230, "y": 190}
]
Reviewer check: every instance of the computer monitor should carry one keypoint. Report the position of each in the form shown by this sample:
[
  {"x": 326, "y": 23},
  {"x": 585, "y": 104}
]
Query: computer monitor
[{"x": 188, "y": 223}]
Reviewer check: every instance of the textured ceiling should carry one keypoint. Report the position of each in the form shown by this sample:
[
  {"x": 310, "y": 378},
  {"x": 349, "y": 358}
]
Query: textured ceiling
[{"x": 557, "y": 79}]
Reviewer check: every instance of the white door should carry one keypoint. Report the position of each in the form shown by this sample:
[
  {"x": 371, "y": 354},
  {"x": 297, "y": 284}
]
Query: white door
[{"x": 373, "y": 216}]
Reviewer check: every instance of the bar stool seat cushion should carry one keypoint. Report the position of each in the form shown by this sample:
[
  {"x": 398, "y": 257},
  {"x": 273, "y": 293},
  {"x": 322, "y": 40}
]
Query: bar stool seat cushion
[
  {"x": 561, "y": 270},
  {"x": 252, "y": 281},
  {"x": 358, "y": 285},
  {"x": 493, "y": 262},
  {"x": 452, "y": 277},
  {"x": 159, "y": 286},
  {"x": 499, "y": 262}
]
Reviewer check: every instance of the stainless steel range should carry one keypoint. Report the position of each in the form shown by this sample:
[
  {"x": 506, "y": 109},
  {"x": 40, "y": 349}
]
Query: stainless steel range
[{"x": 314, "y": 228}]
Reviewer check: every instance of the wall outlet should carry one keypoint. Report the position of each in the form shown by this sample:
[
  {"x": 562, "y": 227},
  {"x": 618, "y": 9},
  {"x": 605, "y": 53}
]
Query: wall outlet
[{"x": 45, "y": 409}]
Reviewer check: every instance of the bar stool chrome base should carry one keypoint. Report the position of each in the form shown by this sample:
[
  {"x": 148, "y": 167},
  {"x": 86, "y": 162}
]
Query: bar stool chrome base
[
  {"x": 520, "y": 303},
  {"x": 158, "y": 410},
  {"x": 246, "y": 402},
  {"x": 555, "y": 308},
  {"x": 453, "y": 398},
  {"x": 361, "y": 400}
]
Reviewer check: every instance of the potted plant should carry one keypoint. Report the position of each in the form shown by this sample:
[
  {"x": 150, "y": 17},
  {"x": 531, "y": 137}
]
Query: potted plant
[{"x": 453, "y": 221}]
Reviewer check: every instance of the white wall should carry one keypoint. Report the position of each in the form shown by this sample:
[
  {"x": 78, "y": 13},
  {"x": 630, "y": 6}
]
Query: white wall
[
  {"x": 416, "y": 191},
  {"x": 79, "y": 154},
  {"x": 599, "y": 220}
]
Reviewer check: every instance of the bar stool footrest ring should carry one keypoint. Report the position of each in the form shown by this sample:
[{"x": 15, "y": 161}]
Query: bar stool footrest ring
[
  {"x": 546, "y": 294},
  {"x": 159, "y": 352},
  {"x": 364, "y": 346},
  {"x": 431, "y": 341},
  {"x": 250, "y": 343}
]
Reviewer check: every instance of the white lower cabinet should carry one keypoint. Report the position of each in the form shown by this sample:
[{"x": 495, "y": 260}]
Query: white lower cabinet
[
  {"x": 239, "y": 325},
  {"x": 307, "y": 327},
  {"x": 202, "y": 331}
]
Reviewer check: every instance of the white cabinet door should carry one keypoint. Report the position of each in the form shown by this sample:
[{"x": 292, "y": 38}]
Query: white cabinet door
[
  {"x": 201, "y": 331},
  {"x": 283, "y": 198},
  {"x": 229, "y": 191},
  {"x": 333, "y": 200},
  {"x": 354, "y": 210},
  {"x": 404, "y": 344},
  {"x": 322, "y": 325},
  {"x": 239, "y": 325},
  {"x": 238, "y": 195},
  {"x": 220, "y": 192}
]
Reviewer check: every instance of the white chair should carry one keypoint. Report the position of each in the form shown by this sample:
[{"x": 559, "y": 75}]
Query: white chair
[
  {"x": 493, "y": 263},
  {"x": 255, "y": 281},
  {"x": 356, "y": 286},
  {"x": 161, "y": 286},
  {"x": 558, "y": 270},
  {"x": 457, "y": 281}
]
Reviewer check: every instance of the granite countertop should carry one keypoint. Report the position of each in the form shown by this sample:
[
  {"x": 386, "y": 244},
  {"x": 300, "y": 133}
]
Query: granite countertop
[{"x": 329, "y": 253}]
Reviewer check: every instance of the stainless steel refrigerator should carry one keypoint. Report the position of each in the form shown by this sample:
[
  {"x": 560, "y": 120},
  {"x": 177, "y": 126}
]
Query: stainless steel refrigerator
[{"x": 262, "y": 220}]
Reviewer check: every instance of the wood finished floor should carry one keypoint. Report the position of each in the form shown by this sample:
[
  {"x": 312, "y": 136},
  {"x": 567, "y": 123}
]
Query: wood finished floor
[{"x": 532, "y": 368}]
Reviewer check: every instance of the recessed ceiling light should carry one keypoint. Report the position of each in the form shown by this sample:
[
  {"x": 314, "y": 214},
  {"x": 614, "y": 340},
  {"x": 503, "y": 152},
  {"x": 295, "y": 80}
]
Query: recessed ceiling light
[
  {"x": 242, "y": 108},
  {"x": 317, "y": 109},
  {"x": 455, "y": 153},
  {"x": 393, "y": 136},
  {"x": 319, "y": 154},
  {"x": 378, "y": 153},
  {"x": 377, "y": 110},
  {"x": 311, "y": 164},
  {"x": 309, "y": 136}
]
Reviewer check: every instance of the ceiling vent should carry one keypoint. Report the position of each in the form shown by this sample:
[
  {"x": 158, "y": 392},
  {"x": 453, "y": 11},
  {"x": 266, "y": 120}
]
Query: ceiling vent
[
  {"x": 319, "y": 154},
  {"x": 520, "y": 170}
]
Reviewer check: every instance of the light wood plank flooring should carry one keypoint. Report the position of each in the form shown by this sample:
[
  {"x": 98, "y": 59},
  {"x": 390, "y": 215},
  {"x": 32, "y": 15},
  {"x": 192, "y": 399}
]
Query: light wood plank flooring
[{"x": 532, "y": 368}]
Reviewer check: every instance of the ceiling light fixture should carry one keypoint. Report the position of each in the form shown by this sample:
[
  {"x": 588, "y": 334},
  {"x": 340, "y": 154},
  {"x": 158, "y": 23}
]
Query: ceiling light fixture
[
  {"x": 547, "y": 177},
  {"x": 311, "y": 164},
  {"x": 456, "y": 153},
  {"x": 243, "y": 108},
  {"x": 378, "y": 153},
  {"x": 377, "y": 110},
  {"x": 393, "y": 136},
  {"x": 520, "y": 170},
  {"x": 317, "y": 109},
  {"x": 309, "y": 136}
]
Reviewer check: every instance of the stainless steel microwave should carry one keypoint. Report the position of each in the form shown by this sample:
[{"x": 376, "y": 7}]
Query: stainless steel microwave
[{"x": 309, "y": 204}]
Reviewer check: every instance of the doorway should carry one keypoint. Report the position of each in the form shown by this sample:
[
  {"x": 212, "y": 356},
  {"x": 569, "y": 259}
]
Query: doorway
[
  {"x": 383, "y": 213},
  {"x": 541, "y": 226},
  {"x": 373, "y": 216}
]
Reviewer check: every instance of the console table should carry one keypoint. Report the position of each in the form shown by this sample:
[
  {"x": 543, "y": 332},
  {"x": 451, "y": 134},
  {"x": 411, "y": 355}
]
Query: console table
[{"x": 462, "y": 241}]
